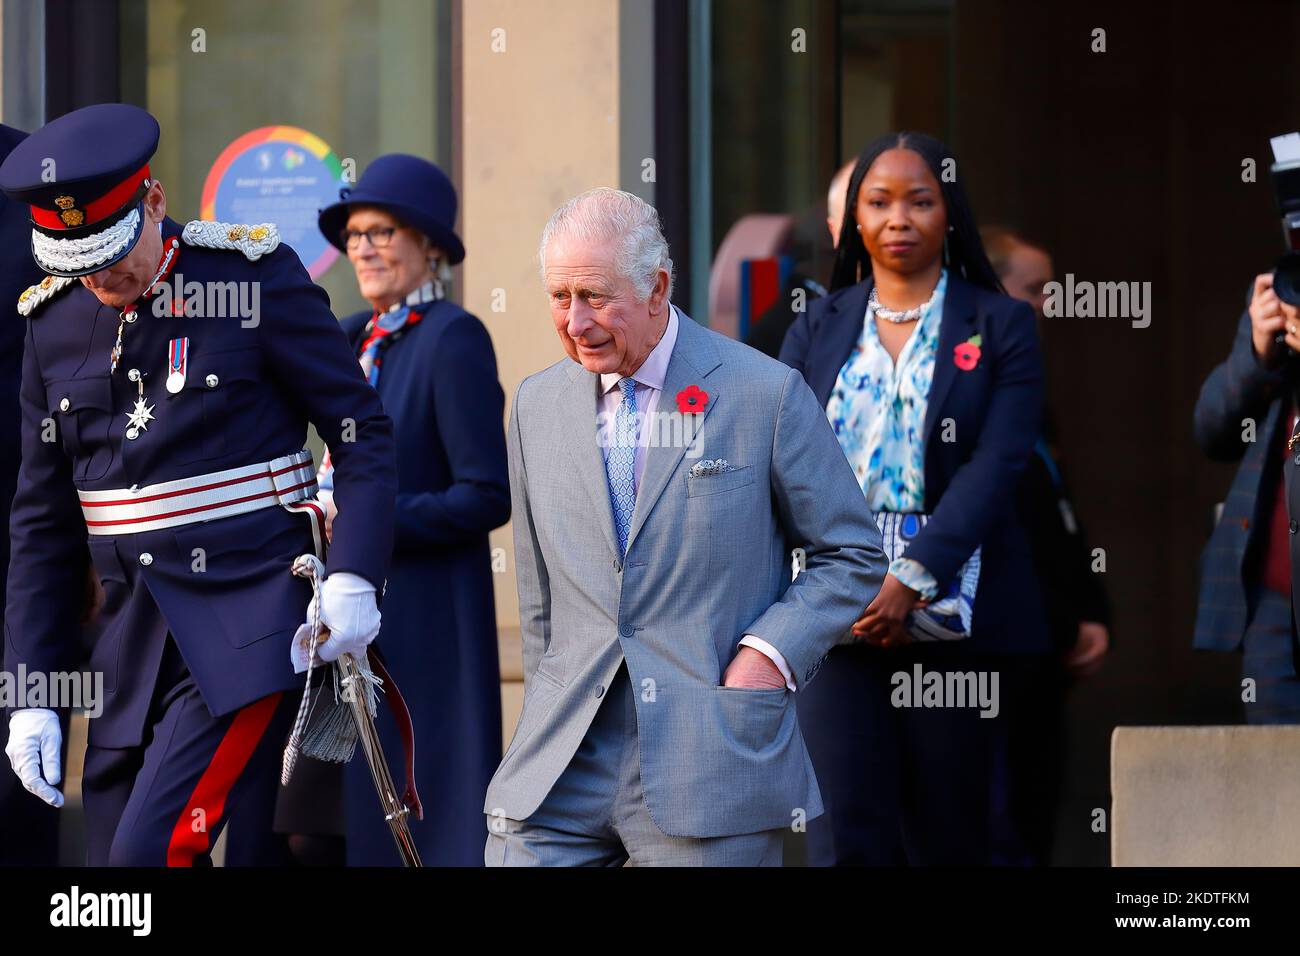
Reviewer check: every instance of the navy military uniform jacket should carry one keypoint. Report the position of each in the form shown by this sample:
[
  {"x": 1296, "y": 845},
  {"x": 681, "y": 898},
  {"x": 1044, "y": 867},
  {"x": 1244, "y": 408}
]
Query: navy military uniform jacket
[{"x": 223, "y": 588}]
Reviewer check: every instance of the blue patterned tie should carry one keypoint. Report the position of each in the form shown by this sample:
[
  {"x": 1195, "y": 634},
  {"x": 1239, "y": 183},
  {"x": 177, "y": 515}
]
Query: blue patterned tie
[{"x": 620, "y": 465}]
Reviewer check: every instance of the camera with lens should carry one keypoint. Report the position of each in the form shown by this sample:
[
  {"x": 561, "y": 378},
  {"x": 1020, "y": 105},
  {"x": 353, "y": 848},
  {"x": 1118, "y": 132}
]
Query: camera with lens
[{"x": 1286, "y": 272}]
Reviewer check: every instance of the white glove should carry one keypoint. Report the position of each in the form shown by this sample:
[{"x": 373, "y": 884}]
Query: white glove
[
  {"x": 349, "y": 610},
  {"x": 35, "y": 747}
]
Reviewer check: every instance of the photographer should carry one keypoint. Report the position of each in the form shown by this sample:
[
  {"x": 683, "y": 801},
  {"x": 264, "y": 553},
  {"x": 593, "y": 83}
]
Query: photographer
[{"x": 1245, "y": 596}]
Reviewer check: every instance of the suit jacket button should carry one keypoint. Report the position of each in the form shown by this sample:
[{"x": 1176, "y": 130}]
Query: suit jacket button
[
  {"x": 1294, "y": 527},
  {"x": 618, "y": 566},
  {"x": 627, "y": 630},
  {"x": 146, "y": 559},
  {"x": 65, "y": 404},
  {"x": 600, "y": 691},
  {"x": 211, "y": 381}
]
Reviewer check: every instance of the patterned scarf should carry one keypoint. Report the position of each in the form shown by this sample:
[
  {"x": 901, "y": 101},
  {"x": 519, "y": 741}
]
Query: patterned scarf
[{"x": 399, "y": 316}]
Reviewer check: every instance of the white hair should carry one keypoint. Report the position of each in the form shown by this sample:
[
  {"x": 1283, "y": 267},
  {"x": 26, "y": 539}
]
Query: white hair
[{"x": 612, "y": 214}]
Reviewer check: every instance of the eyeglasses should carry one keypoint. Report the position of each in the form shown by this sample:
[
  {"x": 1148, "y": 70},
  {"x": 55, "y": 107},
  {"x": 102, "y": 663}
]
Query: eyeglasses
[{"x": 379, "y": 237}]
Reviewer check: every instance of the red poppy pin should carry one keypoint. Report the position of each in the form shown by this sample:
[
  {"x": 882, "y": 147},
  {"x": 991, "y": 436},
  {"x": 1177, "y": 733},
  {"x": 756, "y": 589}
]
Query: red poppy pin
[
  {"x": 691, "y": 400},
  {"x": 967, "y": 355}
]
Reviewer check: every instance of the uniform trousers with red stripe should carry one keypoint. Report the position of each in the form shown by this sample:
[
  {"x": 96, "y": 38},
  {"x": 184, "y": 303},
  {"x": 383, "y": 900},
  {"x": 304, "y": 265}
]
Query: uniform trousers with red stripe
[{"x": 165, "y": 802}]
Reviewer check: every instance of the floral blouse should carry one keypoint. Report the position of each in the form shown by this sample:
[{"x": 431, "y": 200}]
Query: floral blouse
[{"x": 877, "y": 410}]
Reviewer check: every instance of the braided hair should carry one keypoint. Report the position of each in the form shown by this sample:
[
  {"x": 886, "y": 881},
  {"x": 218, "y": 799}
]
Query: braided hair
[{"x": 964, "y": 251}]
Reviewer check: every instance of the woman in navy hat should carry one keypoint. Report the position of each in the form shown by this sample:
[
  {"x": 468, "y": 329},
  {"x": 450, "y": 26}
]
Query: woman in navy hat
[{"x": 435, "y": 370}]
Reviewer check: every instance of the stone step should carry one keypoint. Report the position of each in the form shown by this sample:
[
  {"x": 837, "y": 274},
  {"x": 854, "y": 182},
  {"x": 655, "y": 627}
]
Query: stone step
[{"x": 1205, "y": 796}]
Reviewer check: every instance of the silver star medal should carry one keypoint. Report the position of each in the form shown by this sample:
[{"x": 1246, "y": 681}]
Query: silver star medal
[{"x": 138, "y": 418}]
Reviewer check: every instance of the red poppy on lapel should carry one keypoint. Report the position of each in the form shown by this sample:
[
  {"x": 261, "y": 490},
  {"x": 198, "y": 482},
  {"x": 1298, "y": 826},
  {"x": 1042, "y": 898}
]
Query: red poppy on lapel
[
  {"x": 692, "y": 399},
  {"x": 967, "y": 354}
]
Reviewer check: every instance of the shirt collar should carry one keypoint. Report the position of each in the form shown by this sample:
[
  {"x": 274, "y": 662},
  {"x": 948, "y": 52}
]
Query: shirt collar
[
  {"x": 933, "y": 315},
  {"x": 654, "y": 369}
]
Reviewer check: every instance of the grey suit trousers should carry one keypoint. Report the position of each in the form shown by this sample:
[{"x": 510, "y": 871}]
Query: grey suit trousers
[{"x": 596, "y": 813}]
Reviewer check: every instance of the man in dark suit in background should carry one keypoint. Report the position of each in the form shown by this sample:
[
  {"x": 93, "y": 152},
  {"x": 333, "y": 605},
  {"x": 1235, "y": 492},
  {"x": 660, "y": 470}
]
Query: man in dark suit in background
[
  {"x": 1028, "y": 786},
  {"x": 29, "y": 828},
  {"x": 1077, "y": 606},
  {"x": 812, "y": 268}
]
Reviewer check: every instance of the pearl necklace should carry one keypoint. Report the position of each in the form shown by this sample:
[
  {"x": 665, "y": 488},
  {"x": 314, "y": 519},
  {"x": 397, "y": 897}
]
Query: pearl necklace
[{"x": 910, "y": 315}]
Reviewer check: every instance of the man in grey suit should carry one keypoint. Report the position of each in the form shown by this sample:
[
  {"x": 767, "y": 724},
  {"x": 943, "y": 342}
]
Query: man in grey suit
[{"x": 662, "y": 477}]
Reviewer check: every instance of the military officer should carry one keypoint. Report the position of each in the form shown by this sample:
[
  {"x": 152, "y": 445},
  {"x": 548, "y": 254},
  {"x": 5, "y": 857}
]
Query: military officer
[{"x": 166, "y": 435}]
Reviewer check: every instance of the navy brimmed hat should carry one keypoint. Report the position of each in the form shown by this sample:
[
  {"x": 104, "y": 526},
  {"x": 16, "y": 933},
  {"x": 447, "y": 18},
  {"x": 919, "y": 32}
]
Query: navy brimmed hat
[
  {"x": 412, "y": 189},
  {"x": 84, "y": 177}
]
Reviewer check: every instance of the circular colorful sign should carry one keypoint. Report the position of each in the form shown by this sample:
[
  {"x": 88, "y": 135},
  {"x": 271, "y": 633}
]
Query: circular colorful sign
[{"x": 279, "y": 174}]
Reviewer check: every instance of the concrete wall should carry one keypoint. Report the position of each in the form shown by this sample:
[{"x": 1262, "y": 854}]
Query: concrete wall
[{"x": 539, "y": 122}]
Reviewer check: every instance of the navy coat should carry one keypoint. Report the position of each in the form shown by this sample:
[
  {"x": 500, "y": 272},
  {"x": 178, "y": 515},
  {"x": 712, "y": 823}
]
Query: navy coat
[
  {"x": 438, "y": 635},
  {"x": 28, "y": 827},
  {"x": 17, "y": 271},
  {"x": 971, "y": 481},
  {"x": 234, "y": 621}
]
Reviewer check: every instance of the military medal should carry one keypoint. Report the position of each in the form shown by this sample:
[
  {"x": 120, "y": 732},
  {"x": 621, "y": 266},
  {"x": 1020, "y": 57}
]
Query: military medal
[
  {"x": 138, "y": 419},
  {"x": 115, "y": 356},
  {"x": 177, "y": 358}
]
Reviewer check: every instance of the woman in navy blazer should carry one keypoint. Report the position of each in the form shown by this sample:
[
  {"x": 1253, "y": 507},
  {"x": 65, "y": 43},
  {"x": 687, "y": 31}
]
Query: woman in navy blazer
[
  {"x": 434, "y": 367},
  {"x": 905, "y": 783}
]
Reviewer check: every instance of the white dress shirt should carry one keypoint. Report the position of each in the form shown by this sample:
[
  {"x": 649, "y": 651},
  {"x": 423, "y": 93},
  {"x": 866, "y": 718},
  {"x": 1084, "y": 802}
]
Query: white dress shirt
[{"x": 649, "y": 377}]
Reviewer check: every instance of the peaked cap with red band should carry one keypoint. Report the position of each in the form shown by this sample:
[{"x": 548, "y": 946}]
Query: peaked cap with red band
[{"x": 84, "y": 177}]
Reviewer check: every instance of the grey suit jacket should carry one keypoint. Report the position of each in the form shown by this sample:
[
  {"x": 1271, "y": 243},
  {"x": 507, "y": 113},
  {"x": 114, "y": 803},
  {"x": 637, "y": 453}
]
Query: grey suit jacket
[{"x": 708, "y": 561}]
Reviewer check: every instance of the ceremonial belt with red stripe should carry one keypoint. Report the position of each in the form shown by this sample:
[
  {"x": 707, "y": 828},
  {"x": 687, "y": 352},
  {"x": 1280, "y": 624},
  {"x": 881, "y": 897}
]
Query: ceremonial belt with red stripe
[
  {"x": 171, "y": 504},
  {"x": 289, "y": 482}
]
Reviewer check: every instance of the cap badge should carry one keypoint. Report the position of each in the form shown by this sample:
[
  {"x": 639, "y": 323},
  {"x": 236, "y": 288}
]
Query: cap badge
[{"x": 71, "y": 216}]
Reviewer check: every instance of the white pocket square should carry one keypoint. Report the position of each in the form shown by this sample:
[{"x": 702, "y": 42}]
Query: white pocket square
[{"x": 710, "y": 466}]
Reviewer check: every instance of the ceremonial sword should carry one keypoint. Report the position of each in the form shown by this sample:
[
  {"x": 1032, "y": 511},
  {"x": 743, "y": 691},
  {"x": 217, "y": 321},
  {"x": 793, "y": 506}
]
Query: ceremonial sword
[{"x": 356, "y": 682}]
